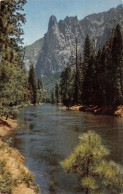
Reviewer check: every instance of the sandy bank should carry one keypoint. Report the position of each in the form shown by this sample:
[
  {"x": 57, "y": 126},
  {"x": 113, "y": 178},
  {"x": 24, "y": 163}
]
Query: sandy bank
[
  {"x": 15, "y": 178},
  {"x": 7, "y": 126}
]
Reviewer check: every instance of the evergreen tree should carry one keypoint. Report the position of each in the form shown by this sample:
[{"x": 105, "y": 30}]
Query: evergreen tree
[
  {"x": 12, "y": 76},
  {"x": 66, "y": 86},
  {"x": 57, "y": 93},
  {"x": 33, "y": 83},
  {"x": 76, "y": 78},
  {"x": 40, "y": 84},
  {"x": 111, "y": 70},
  {"x": 52, "y": 98},
  {"x": 87, "y": 70},
  {"x": 98, "y": 79},
  {"x": 76, "y": 86},
  {"x": 80, "y": 79},
  {"x": 11, "y": 17},
  {"x": 117, "y": 66},
  {"x": 87, "y": 51},
  {"x": 40, "y": 91},
  {"x": 94, "y": 173}
]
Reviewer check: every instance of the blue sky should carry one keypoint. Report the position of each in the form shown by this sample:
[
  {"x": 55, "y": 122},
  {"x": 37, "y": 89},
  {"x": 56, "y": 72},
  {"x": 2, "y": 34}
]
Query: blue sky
[{"x": 38, "y": 13}]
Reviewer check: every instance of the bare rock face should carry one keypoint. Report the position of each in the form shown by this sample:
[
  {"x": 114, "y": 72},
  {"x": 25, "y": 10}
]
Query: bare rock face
[
  {"x": 32, "y": 53},
  {"x": 58, "y": 44}
]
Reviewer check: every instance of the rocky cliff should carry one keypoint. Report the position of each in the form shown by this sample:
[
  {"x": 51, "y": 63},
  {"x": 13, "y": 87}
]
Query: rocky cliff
[
  {"x": 32, "y": 53},
  {"x": 58, "y": 45}
]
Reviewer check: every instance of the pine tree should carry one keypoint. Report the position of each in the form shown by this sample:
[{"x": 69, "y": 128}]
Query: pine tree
[
  {"x": 40, "y": 84},
  {"x": 111, "y": 69},
  {"x": 76, "y": 78},
  {"x": 12, "y": 77},
  {"x": 66, "y": 86},
  {"x": 94, "y": 172},
  {"x": 40, "y": 90},
  {"x": 33, "y": 83},
  {"x": 117, "y": 65},
  {"x": 57, "y": 93},
  {"x": 11, "y": 19},
  {"x": 52, "y": 98},
  {"x": 87, "y": 70},
  {"x": 87, "y": 51},
  {"x": 100, "y": 79}
]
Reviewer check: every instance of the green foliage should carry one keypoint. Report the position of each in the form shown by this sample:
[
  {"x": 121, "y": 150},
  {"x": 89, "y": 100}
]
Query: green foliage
[
  {"x": 98, "y": 77},
  {"x": 6, "y": 181},
  {"x": 35, "y": 87},
  {"x": 94, "y": 173},
  {"x": 12, "y": 17},
  {"x": 117, "y": 65},
  {"x": 33, "y": 83},
  {"x": 52, "y": 98},
  {"x": 89, "y": 182},
  {"x": 3, "y": 146},
  {"x": 13, "y": 80},
  {"x": 40, "y": 91},
  {"x": 28, "y": 179},
  {"x": 2, "y": 166},
  {"x": 40, "y": 84},
  {"x": 66, "y": 85},
  {"x": 111, "y": 175},
  {"x": 88, "y": 71},
  {"x": 57, "y": 93},
  {"x": 50, "y": 81},
  {"x": 12, "y": 90},
  {"x": 37, "y": 189},
  {"x": 87, "y": 51}
]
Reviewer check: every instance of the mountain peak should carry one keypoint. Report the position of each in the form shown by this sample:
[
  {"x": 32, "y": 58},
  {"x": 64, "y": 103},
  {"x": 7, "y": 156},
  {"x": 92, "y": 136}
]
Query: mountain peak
[
  {"x": 53, "y": 52},
  {"x": 52, "y": 21}
]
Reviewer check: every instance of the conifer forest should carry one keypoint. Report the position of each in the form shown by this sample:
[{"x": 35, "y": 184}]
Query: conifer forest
[
  {"x": 16, "y": 86},
  {"x": 97, "y": 78}
]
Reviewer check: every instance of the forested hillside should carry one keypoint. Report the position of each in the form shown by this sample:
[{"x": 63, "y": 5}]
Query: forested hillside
[
  {"x": 97, "y": 78},
  {"x": 15, "y": 86}
]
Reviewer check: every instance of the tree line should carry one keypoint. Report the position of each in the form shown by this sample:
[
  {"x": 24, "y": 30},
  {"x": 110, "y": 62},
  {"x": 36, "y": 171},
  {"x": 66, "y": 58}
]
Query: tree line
[
  {"x": 35, "y": 87},
  {"x": 16, "y": 87},
  {"x": 97, "y": 78}
]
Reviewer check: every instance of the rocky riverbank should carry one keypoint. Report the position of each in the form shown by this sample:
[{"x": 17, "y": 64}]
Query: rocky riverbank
[
  {"x": 104, "y": 110},
  {"x": 7, "y": 126},
  {"x": 14, "y": 176}
]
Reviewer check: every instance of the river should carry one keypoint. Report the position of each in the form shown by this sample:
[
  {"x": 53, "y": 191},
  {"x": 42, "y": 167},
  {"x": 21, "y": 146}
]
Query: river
[{"x": 47, "y": 135}]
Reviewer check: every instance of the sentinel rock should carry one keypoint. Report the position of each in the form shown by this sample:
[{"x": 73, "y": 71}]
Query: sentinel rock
[
  {"x": 58, "y": 44},
  {"x": 59, "y": 41}
]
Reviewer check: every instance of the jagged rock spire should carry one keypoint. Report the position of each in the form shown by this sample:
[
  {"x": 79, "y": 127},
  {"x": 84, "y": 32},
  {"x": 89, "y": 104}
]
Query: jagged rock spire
[{"x": 52, "y": 21}]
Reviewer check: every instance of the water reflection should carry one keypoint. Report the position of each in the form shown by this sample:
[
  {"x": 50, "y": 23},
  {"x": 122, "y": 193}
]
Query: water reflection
[{"x": 47, "y": 135}]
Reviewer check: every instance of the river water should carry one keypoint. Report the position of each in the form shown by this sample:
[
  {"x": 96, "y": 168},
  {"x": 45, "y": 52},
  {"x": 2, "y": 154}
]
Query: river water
[{"x": 47, "y": 135}]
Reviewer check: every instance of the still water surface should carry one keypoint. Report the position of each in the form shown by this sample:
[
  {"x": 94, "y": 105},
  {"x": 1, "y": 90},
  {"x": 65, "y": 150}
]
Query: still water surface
[{"x": 47, "y": 135}]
